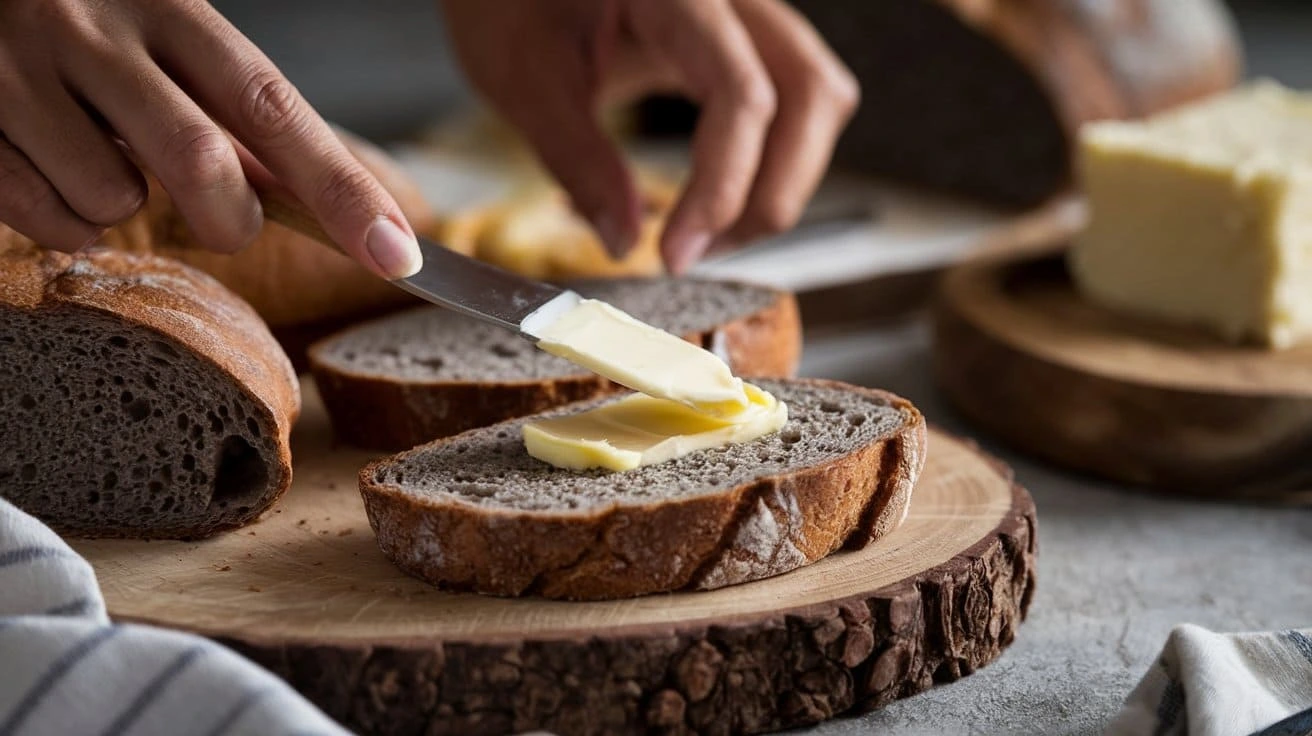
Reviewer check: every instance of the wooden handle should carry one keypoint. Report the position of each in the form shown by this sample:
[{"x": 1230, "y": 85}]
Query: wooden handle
[{"x": 286, "y": 210}]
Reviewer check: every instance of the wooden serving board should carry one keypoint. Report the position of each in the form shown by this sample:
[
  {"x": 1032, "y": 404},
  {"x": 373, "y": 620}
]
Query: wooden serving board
[
  {"x": 1023, "y": 355},
  {"x": 305, "y": 592}
]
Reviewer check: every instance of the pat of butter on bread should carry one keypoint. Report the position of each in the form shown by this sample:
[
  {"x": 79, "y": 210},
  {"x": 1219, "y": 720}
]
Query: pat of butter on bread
[
  {"x": 640, "y": 430},
  {"x": 1203, "y": 216}
]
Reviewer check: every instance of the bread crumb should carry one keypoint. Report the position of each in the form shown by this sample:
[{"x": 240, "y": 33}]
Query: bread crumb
[{"x": 225, "y": 568}]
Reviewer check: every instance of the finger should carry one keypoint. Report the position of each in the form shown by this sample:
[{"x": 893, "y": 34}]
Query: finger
[
  {"x": 250, "y": 97},
  {"x": 713, "y": 52},
  {"x": 176, "y": 141},
  {"x": 562, "y": 127},
  {"x": 74, "y": 154},
  {"x": 31, "y": 206},
  {"x": 817, "y": 97}
]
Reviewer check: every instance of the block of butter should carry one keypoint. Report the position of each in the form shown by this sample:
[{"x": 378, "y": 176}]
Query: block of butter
[{"x": 1203, "y": 215}]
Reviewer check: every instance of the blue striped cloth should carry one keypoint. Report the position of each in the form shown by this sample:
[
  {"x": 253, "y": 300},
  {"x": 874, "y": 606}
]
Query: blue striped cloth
[{"x": 65, "y": 670}]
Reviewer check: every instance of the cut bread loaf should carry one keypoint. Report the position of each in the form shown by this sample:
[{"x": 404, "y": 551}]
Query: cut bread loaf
[
  {"x": 475, "y": 512},
  {"x": 408, "y": 378},
  {"x": 141, "y": 398}
]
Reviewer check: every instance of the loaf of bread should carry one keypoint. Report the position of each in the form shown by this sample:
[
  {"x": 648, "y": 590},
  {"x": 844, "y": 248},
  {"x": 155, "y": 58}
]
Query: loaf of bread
[
  {"x": 141, "y": 398},
  {"x": 475, "y": 512},
  {"x": 983, "y": 98},
  {"x": 410, "y": 377}
]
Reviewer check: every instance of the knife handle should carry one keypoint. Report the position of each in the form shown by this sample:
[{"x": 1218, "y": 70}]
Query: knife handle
[{"x": 286, "y": 210}]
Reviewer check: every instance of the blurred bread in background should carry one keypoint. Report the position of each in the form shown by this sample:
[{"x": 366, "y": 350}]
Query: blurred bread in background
[{"x": 983, "y": 98}]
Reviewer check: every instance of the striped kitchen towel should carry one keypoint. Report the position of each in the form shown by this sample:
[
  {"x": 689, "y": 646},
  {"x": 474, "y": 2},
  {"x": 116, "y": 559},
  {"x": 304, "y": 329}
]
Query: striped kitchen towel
[
  {"x": 1209, "y": 684},
  {"x": 65, "y": 670}
]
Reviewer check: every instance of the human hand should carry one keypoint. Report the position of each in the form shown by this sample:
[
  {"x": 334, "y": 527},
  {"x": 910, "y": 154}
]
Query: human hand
[
  {"x": 773, "y": 97},
  {"x": 88, "y": 87}
]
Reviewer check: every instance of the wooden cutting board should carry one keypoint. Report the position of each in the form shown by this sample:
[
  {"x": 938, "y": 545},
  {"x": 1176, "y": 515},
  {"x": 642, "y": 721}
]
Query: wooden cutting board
[
  {"x": 306, "y": 593},
  {"x": 1024, "y": 356}
]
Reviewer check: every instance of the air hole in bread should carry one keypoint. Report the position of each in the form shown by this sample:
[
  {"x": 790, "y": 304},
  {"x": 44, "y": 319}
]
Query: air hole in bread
[
  {"x": 504, "y": 351},
  {"x": 241, "y": 475},
  {"x": 137, "y": 410},
  {"x": 432, "y": 364}
]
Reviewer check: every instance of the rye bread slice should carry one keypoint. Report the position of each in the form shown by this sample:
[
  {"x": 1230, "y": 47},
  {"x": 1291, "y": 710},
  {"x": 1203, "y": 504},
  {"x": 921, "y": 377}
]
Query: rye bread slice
[
  {"x": 475, "y": 512},
  {"x": 414, "y": 376},
  {"x": 141, "y": 398}
]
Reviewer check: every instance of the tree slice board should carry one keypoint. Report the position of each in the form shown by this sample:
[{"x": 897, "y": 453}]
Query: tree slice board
[
  {"x": 1020, "y": 353},
  {"x": 305, "y": 592}
]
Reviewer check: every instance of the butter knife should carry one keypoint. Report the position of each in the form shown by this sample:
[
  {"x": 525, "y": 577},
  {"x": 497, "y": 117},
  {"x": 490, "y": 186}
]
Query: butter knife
[{"x": 449, "y": 279}]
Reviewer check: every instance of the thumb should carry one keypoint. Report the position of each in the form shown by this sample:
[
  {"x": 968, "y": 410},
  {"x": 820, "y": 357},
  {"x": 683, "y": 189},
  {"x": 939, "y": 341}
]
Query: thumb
[{"x": 569, "y": 141}]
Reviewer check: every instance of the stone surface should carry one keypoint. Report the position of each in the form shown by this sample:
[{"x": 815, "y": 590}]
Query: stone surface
[{"x": 1117, "y": 570}]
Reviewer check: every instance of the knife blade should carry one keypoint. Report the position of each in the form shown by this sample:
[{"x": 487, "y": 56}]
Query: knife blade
[{"x": 450, "y": 279}]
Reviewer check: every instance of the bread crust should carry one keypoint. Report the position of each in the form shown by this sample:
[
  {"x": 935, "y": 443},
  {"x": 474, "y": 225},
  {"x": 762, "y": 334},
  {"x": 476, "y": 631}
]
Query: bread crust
[
  {"x": 384, "y": 414},
  {"x": 183, "y": 305},
  {"x": 760, "y": 529}
]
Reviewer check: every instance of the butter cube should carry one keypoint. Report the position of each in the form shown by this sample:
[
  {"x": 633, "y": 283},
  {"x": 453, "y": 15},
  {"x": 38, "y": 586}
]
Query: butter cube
[{"x": 1203, "y": 215}]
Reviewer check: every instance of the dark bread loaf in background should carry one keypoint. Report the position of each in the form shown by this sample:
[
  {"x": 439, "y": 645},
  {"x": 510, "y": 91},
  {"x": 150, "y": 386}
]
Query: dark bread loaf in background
[
  {"x": 410, "y": 377},
  {"x": 141, "y": 398},
  {"x": 982, "y": 98}
]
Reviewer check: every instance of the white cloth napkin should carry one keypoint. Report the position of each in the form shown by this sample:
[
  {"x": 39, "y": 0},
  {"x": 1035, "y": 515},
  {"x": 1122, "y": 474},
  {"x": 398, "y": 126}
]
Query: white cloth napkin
[
  {"x": 65, "y": 669},
  {"x": 1209, "y": 684}
]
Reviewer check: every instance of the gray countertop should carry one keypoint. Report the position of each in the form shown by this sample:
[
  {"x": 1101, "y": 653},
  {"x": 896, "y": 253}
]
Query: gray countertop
[{"x": 1117, "y": 570}]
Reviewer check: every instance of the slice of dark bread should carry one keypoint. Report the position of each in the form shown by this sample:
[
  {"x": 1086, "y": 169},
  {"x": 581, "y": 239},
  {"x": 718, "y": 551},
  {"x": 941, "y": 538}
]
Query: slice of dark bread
[
  {"x": 411, "y": 377},
  {"x": 475, "y": 512},
  {"x": 141, "y": 398}
]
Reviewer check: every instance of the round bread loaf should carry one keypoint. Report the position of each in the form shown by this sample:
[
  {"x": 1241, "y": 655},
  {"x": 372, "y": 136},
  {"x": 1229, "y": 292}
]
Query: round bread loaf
[{"x": 141, "y": 398}]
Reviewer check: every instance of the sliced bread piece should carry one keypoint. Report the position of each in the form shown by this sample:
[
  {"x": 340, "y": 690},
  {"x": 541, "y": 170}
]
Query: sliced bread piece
[
  {"x": 141, "y": 398},
  {"x": 476, "y": 513},
  {"x": 411, "y": 377}
]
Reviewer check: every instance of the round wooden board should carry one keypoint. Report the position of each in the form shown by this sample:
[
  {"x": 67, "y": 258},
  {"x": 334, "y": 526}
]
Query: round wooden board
[
  {"x": 305, "y": 592},
  {"x": 1020, "y": 353}
]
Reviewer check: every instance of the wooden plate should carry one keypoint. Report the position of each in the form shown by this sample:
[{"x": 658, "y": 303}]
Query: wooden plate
[
  {"x": 1020, "y": 353},
  {"x": 306, "y": 593}
]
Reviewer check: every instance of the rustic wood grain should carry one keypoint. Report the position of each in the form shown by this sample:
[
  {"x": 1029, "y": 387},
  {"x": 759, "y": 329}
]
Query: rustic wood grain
[
  {"x": 306, "y": 593},
  {"x": 1020, "y": 353}
]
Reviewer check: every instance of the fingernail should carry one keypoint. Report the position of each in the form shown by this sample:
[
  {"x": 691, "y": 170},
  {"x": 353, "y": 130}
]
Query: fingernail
[
  {"x": 617, "y": 243},
  {"x": 396, "y": 254},
  {"x": 691, "y": 249}
]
